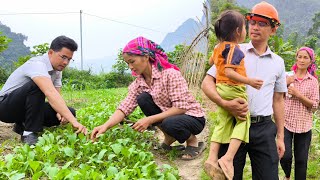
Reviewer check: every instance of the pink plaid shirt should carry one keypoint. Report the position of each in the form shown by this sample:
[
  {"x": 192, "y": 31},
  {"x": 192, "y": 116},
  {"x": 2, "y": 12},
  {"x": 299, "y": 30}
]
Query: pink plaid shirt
[
  {"x": 298, "y": 118},
  {"x": 168, "y": 89}
]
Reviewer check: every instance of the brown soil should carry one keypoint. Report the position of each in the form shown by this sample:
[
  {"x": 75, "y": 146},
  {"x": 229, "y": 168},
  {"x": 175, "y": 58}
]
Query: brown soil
[
  {"x": 6, "y": 133},
  {"x": 190, "y": 170},
  {"x": 8, "y": 138}
]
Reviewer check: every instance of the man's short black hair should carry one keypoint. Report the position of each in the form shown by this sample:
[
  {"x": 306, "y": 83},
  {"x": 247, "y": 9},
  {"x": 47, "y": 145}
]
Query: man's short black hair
[{"x": 63, "y": 42}]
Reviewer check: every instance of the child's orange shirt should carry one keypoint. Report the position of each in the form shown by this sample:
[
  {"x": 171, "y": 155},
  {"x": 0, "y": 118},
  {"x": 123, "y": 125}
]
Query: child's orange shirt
[{"x": 228, "y": 54}]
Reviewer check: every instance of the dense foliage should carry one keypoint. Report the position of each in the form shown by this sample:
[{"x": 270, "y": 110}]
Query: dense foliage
[
  {"x": 85, "y": 79},
  {"x": 120, "y": 66},
  {"x": 4, "y": 41}
]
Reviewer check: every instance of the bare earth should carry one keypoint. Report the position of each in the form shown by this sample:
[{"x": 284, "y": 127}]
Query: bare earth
[
  {"x": 188, "y": 170},
  {"x": 6, "y": 132},
  {"x": 191, "y": 170}
]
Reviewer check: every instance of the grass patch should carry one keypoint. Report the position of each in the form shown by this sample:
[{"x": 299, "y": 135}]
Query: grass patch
[{"x": 83, "y": 98}]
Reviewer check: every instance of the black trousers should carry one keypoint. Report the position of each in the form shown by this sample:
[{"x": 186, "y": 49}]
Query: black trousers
[
  {"x": 179, "y": 127},
  {"x": 262, "y": 151},
  {"x": 301, "y": 142},
  {"x": 26, "y": 106}
]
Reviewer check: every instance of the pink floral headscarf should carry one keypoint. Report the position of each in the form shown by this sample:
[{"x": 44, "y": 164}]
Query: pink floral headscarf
[
  {"x": 142, "y": 46},
  {"x": 313, "y": 67}
]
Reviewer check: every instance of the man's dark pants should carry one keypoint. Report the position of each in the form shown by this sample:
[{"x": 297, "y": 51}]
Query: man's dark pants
[
  {"x": 262, "y": 151},
  {"x": 26, "y": 106}
]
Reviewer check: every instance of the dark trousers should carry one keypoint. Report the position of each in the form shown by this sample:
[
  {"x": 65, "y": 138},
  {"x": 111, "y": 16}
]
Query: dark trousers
[
  {"x": 301, "y": 144},
  {"x": 179, "y": 127},
  {"x": 262, "y": 151},
  {"x": 26, "y": 106}
]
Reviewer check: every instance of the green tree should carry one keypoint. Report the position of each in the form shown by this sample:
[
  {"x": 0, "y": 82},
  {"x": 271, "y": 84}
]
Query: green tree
[
  {"x": 174, "y": 56},
  {"x": 4, "y": 42},
  {"x": 38, "y": 51},
  {"x": 315, "y": 29},
  {"x": 280, "y": 31},
  {"x": 284, "y": 50},
  {"x": 217, "y": 7},
  {"x": 119, "y": 77},
  {"x": 293, "y": 39},
  {"x": 311, "y": 42},
  {"x": 3, "y": 75},
  {"x": 120, "y": 66}
]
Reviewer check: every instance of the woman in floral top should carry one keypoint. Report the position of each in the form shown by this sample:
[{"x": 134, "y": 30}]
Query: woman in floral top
[
  {"x": 303, "y": 99},
  {"x": 162, "y": 94}
]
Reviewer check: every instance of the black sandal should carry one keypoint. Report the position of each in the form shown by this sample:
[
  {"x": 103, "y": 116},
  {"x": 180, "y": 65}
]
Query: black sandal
[
  {"x": 193, "y": 152},
  {"x": 169, "y": 148}
]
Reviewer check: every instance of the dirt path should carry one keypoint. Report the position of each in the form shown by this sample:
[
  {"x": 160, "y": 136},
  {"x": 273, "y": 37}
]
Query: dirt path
[
  {"x": 6, "y": 132},
  {"x": 191, "y": 170},
  {"x": 188, "y": 170}
]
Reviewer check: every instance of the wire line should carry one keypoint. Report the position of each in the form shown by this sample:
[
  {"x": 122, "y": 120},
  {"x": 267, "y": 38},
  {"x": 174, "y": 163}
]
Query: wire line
[
  {"x": 108, "y": 19},
  {"x": 33, "y": 13},
  {"x": 120, "y": 22}
]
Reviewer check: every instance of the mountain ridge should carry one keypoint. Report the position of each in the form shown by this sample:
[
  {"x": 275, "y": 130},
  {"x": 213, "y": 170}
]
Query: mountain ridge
[{"x": 184, "y": 34}]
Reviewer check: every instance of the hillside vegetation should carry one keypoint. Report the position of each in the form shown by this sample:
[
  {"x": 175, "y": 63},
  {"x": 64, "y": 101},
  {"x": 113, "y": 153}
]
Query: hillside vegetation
[
  {"x": 16, "y": 47},
  {"x": 295, "y": 16}
]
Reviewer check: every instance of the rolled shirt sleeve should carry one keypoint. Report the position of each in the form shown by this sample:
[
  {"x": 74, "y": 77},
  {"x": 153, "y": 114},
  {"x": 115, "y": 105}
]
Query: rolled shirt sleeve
[
  {"x": 281, "y": 83},
  {"x": 34, "y": 69},
  {"x": 212, "y": 71}
]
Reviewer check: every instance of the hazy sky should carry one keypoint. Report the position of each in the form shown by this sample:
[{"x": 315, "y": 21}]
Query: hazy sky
[{"x": 102, "y": 37}]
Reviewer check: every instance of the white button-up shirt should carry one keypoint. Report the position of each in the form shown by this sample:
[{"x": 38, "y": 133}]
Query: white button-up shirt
[{"x": 268, "y": 67}]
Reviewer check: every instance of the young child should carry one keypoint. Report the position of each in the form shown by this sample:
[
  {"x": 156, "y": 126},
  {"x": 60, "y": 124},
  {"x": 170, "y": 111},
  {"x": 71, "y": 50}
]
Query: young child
[{"x": 231, "y": 79}]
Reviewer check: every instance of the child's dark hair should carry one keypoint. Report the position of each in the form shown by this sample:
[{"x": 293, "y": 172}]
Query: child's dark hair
[{"x": 227, "y": 24}]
